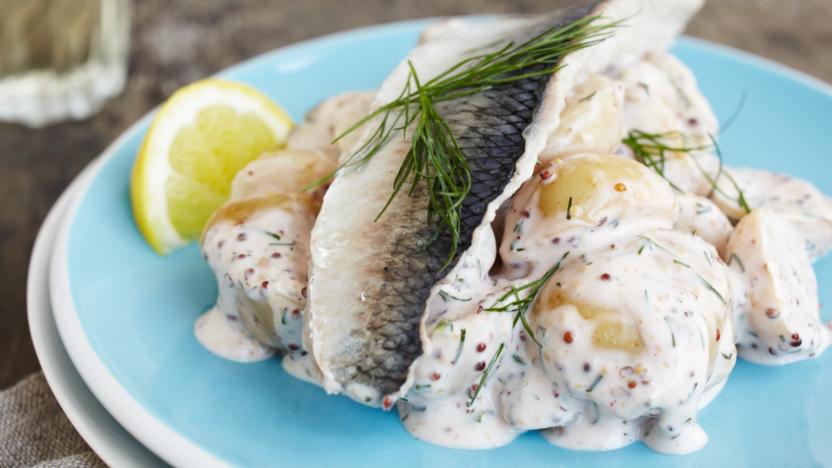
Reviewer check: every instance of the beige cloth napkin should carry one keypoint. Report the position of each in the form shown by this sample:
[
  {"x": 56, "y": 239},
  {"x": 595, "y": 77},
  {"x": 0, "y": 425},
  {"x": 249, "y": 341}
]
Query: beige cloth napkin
[{"x": 35, "y": 432}]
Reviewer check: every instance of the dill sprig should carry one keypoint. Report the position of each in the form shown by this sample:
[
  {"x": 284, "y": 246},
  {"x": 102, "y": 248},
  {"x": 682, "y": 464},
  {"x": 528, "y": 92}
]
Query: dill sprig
[
  {"x": 652, "y": 150},
  {"x": 485, "y": 374},
  {"x": 519, "y": 305},
  {"x": 435, "y": 158},
  {"x": 714, "y": 181}
]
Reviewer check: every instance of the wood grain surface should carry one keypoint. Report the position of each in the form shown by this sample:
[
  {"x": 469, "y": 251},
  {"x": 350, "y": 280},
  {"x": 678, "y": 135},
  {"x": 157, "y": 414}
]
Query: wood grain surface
[{"x": 176, "y": 42}]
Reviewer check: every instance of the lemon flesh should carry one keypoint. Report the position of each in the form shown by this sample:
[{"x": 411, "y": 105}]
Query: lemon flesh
[{"x": 203, "y": 135}]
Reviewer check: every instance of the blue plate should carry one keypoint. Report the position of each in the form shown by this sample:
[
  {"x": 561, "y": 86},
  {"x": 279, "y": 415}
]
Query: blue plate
[{"x": 126, "y": 315}]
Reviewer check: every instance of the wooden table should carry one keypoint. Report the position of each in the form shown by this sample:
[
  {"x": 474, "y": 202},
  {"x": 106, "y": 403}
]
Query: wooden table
[{"x": 174, "y": 43}]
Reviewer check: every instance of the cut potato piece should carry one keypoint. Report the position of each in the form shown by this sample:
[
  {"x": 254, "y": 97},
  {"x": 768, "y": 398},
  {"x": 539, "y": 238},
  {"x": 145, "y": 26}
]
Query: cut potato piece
[
  {"x": 777, "y": 317},
  {"x": 652, "y": 311},
  {"x": 284, "y": 171},
  {"x": 617, "y": 335},
  {"x": 590, "y": 187}
]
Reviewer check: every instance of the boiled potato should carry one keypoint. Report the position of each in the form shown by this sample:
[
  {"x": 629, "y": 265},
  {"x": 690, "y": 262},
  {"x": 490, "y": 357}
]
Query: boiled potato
[
  {"x": 661, "y": 95},
  {"x": 655, "y": 310},
  {"x": 777, "y": 315},
  {"x": 601, "y": 185},
  {"x": 283, "y": 171},
  {"x": 610, "y": 330},
  {"x": 330, "y": 119},
  {"x": 583, "y": 200}
]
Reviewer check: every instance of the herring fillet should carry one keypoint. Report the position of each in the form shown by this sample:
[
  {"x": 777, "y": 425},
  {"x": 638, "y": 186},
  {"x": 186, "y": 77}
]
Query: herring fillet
[{"x": 371, "y": 280}]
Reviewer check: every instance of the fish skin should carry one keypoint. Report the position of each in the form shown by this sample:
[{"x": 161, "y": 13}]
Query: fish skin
[
  {"x": 371, "y": 279},
  {"x": 488, "y": 127}
]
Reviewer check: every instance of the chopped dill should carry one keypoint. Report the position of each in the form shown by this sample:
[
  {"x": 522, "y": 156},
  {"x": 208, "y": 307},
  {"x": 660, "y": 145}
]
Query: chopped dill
[
  {"x": 670, "y": 326},
  {"x": 739, "y": 262},
  {"x": 676, "y": 260},
  {"x": 284, "y": 244},
  {"x": 652, "y": 150},
  {"x": 569, "y": 209},
  {"x": 595, "y": 383},
  {"x": 520, "y": 305},
  {"x": 459, "y": 348},
  {"x": 443, "y": 324},
  {"x": 679, "y": 262},
  {"x": 736, "y": 113},
  {"x": 446, "y": 296},
  {"x": 702, "y": 209},
  {"x": 485, "y": 374},
  {"x": 588, "y": 97},
  {"x": 710, "y": 287}
]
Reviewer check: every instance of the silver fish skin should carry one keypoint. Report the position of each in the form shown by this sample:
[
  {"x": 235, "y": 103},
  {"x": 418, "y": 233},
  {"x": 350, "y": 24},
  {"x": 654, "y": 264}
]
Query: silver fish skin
[{"x": 372, "y": 281}]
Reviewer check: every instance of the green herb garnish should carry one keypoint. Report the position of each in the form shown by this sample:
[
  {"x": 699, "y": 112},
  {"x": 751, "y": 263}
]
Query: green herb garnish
[
  {"x": 739, "y": 262},
  {"x": 670, "y": 326},
  {"x": 284, "y": 244},
  {"x": 435, "y": 158},
  {"x": 569, "y": 209},
  {"x": 520, "y": 305},
  {"x": 446, "y": 296},
  {"x": 459, "y": 348},
  {"x": 485, "y": 374},
  {"x": 652, "y": 150},
  {"x": 443, "y": 324},
  {"x": 595, "y": 383},
  {"x": 588, "y": 97}
]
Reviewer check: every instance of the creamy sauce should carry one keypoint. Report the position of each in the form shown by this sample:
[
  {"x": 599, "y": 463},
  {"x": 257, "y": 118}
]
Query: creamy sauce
[
  {"x": 329, "y": 120},
  {"x": 224, "y": 336},
  {"x": 777, "y": 315},
  {"x": 700, "y": 216},
  {"x": 799, "y": 204},
  {"x": 260, "y": 265},
  {"x": 634, "y": 329},
  {"x": 662, "y": 281}
]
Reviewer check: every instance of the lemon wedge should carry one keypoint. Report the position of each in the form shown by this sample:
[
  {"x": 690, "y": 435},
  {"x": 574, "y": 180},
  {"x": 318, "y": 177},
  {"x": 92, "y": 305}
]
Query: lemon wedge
[{"x": 200, "y": 138}]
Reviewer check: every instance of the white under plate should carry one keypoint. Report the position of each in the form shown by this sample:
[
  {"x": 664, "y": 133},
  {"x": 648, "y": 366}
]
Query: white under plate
[{"x": 103, "y": 434}]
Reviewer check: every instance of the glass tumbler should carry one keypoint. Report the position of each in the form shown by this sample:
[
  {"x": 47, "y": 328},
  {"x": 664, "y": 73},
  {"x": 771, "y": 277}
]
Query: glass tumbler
[{"x": 60, "y": 59}]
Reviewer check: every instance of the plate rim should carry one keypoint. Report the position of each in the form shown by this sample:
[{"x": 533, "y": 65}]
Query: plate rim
[
  {"x": 158, "y": 437},
  {"x": 112, "y": 444},
  {"x": 137, "y": 420}
]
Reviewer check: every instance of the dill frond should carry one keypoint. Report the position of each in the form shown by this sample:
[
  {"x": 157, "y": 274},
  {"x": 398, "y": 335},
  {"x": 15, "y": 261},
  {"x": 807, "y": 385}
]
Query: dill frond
[{"x": 435, "y": 158}]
